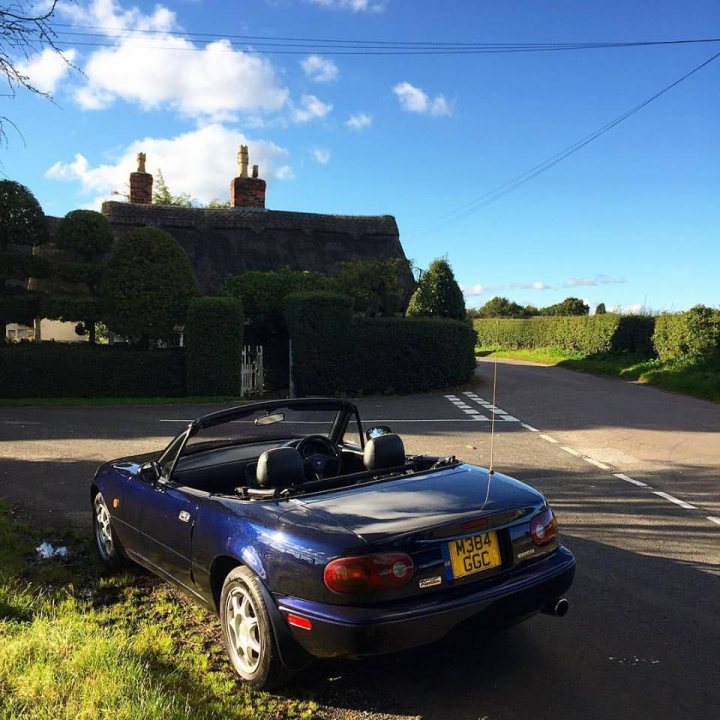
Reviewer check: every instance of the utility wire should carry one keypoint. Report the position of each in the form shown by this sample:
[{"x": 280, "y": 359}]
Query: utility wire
[
  {"x": 107, "y": 36},
  {"x": 483, "y": 200}
]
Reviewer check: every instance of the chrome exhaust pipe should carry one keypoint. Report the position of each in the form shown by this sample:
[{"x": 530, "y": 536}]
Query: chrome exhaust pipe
[{"x": 558, "y": 608}]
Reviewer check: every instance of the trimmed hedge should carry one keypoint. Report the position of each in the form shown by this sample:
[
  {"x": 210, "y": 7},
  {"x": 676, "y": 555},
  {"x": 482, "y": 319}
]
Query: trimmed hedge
[
  {"x": 30, "y": 370},
  {"x": 587, "y": 335},
  {"x": 691, "y": 337},
  {"x": 213, "y": 341},
  {"x": 336, "y": 354}
]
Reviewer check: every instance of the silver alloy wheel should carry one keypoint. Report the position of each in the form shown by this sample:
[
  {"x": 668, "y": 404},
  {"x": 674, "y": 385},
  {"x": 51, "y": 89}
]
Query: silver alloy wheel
[
  {"x": 103, "y": 531},
  {"x": 243, "y": 628}
]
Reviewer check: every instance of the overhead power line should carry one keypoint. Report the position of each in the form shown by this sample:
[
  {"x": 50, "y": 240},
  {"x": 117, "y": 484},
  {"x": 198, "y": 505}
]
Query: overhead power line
[
  {"x": 274, "y": 45},
  {"x": 513, "y": 184}
]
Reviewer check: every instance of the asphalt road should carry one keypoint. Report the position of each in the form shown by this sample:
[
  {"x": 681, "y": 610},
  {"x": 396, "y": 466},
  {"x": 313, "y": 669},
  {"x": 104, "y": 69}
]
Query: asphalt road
[{"x": 634, "y": 475}]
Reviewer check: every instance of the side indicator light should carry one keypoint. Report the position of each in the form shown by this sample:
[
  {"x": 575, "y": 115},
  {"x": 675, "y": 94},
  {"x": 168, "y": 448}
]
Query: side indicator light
[
  {"x": 116, "y": 503},
  {"x": 299, "y": 622}
]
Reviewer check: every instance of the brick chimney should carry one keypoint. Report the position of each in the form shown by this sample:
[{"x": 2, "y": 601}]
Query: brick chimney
[
  {"x": 141, "y": 183},
  {"x": 245, "y": 191}
]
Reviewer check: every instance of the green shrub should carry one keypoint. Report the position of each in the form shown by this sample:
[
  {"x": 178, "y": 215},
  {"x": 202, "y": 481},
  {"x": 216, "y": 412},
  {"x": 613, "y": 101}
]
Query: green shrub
[
  {"x": 18, "y": 308},
  {"x": 688, "y": 337},
  {"x": 263, "y": 293},
  {"x": 334, "y": 353},
  {"x": 147, "y": 285},
  {"x": 85, "y": 232},
  {"x": 213, "y": 340},
  {"x": 634, "y": 335},
  {"x": 374, "y": 285},
  {"x": 437, "y": 294},
  {"x": 320, "y": 326},
  {"x": 582, "y": 334},
  {"x": 83, "y": 370}
]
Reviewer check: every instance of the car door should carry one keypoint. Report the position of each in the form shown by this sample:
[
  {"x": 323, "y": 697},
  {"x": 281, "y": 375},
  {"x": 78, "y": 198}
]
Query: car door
[{"x": 167, "y": 520}]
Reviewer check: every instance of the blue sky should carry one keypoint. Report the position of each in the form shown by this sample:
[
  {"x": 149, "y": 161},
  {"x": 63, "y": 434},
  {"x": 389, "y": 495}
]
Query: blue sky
[{"x": 630, "y": 220}]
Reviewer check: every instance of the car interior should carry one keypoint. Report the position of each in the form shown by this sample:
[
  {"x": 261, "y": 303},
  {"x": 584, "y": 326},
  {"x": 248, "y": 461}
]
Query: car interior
[{"x": 260, "y": 471}]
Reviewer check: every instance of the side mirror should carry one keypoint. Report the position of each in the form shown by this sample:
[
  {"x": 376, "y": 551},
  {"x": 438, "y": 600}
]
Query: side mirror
[
  {"x": 376, "y": 431},
  {"x": 149, "y": 472}
]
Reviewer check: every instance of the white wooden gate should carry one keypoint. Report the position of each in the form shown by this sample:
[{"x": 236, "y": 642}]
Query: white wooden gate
[{"x": 252, "y": 371}]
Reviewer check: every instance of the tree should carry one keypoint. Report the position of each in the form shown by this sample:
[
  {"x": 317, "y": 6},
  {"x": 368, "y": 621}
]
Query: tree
[
  {"x": 501, "y": 307},
  {"x": 437, "y": 294},
  {"x": 22, "y": 220},
  {"x": 569, "y": 306},
  {"x": 374, "y": 285},
  {"x": 85, "y": 236},
  {"x": 23, "y": 31},
  {"x": 600, "y": 309},
  {"x": 146, "y": 286},
  {"x": 22, "y": 228},
  {"x": 162, "y": 195}
]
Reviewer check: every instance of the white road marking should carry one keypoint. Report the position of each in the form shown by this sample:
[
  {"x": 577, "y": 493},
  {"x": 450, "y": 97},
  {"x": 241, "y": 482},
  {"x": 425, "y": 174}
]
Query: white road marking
[
  {"x": 714, "y": 519},
  {"x": 675, "y": 500},
  {"x": 596, "y": 463},
  {"x": 376, "y": 420},
  {"x": 549, "y": 439},
  {"x": 529, "y": 427},
  {"x": 639, "y": 483},
  {"x": 470, "y": 411},
  {"x": 570, "y": 450},
  {"x": 509, "y": 418}
]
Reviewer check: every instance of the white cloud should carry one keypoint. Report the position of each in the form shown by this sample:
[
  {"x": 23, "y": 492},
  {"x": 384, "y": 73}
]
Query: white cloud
[
  {"x": 320, "y": 69},
  {"x": 167, "y": 71},
  {"x": 353, "y": 5},
  {"x": 310, "y": 109},
  {"x": 359, "y": 121},
  {"x": 413, "y": 99},
  {"x": 322, "y": 155},
  {"x": 596, "y": 280},
  {"x": 478, "y": 289},
  {"x": 537, "y": 285},
  {"x": 631, "y": 309},
  {"x": 47, "y": 68},
  {"x": 200, "y": 162}
]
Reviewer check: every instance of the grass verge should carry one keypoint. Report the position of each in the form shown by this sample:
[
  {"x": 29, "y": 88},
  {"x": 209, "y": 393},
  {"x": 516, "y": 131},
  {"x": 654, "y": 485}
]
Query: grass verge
[
  {"x": 77, "y": 643},
  {"x": 698, "y": 381}
]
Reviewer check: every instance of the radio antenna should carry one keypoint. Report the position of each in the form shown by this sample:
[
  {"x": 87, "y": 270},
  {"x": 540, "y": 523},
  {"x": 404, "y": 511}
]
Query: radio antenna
[{"x": 491, "y": 469}]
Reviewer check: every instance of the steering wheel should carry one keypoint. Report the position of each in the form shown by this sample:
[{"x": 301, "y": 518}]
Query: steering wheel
[{"x": 320, "y": 455}]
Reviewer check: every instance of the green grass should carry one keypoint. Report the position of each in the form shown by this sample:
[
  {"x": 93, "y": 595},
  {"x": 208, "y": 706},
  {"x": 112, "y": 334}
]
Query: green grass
[
  {"x": 77, "y": 643},
  {"x": 702, "y": 382}
]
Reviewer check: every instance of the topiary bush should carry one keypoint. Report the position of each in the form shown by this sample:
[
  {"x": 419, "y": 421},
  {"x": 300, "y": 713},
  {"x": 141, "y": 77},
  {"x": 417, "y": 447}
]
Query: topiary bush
[
  {"x": 146, "y": 286},
  {"x": 437, "y": 294},
  {"x": 85, "y": 232},
  {"x": 213, "y": 341},
  {"x": 336, "y": 354}
]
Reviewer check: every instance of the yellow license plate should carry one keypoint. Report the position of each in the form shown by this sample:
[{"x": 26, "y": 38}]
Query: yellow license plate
[{"x": 474, "y": 554}]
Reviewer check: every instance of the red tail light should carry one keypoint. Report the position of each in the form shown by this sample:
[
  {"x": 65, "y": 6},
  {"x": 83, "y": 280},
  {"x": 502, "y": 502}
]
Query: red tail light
[
  {"x": 543, "y": 527},
  {"x": 368, "y": 572}
]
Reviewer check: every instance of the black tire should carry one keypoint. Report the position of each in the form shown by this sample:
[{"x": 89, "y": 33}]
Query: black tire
[
  {"x": 107, "y": 543},
  {"x": 247, "y": 632}
]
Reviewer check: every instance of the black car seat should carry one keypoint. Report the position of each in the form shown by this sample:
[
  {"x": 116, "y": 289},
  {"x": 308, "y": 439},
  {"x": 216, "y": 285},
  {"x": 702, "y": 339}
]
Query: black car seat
[
  {"x": 280, "y": 468},
  {"x": 384, "y": 452}
]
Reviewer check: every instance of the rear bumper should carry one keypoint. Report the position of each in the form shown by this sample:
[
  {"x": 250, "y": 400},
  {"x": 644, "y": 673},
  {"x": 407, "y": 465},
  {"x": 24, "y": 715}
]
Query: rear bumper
[{"x": 343, "y": 631}]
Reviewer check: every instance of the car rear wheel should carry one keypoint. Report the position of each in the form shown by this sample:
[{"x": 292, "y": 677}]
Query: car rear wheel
[
  {"x": 108, "y": 545},
  {"x": 248, "y": 633}
]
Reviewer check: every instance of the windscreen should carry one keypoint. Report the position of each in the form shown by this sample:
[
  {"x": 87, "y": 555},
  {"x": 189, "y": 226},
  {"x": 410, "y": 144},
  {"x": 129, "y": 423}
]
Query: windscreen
[{"x": 282, "y": 423}]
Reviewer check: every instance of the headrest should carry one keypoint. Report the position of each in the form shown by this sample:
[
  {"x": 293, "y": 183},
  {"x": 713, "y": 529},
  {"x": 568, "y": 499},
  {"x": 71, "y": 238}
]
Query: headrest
[
  {"x": 384, "y": 451},
  {"x": 280, "y": 467}
]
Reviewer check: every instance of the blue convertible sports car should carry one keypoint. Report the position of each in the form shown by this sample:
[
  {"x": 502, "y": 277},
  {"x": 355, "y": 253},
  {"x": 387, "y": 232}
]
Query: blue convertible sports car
[{"x": 312, "y": 539}]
